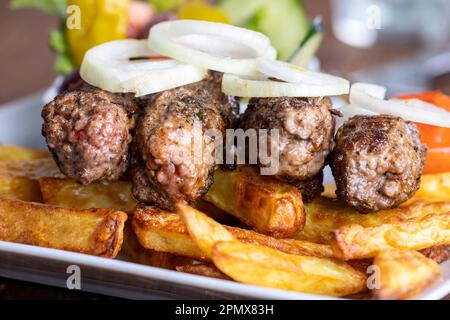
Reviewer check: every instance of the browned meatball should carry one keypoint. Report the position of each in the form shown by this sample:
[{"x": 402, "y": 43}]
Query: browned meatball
[
  {"x": 89, "y": 131},
  {"x": 171, "y": 163},
  {"x": 377, "y": 162},
  {"x": 306, "y": 128}
]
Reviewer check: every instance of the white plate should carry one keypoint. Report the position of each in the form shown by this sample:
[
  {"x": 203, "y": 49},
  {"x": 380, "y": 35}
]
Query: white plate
[{"x": 20, "y": 124}]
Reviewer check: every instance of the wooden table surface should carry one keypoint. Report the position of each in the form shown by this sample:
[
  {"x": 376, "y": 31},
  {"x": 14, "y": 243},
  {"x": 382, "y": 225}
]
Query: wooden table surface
[{"x": 26, "y": 66}]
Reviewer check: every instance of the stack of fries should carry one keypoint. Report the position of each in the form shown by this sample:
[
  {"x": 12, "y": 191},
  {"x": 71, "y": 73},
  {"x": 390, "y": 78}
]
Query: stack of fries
[{"x": 323, "y": 247}]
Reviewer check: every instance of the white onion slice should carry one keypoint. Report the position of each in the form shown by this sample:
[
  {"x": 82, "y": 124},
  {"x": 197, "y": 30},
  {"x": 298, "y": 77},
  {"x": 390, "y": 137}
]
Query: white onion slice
[
  {"x": 108, "y": 67},
  {"x": 259, "y": 88},
  {"x": 295, "y": 74},
  {"x": 412, "y": 110},
  {"x": 350, "y": 110},
  {"x": 210, "y": 45},
  {"x": 373, "y": 90}
]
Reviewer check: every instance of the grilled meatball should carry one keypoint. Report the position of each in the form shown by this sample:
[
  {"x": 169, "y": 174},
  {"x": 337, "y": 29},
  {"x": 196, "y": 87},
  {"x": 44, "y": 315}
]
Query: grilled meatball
[
  {"x": 306, "y": 127},
  {"x": 171, "y": 163},
  {"x": 377, "y": 162},
  {"x": 89, "y": 131}
]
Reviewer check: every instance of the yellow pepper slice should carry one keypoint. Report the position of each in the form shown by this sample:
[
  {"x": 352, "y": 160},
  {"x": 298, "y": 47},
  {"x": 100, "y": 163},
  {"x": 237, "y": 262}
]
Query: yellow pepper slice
[
  {"x": 100, "y": 21},
  {"x": 198, "y": 11}
]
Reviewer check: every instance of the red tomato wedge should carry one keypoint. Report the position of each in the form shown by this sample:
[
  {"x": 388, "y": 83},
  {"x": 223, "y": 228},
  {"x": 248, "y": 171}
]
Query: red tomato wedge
[{"x": 436, "y": 138}]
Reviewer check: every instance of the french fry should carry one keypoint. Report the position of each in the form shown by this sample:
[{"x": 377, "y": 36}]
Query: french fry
[
  {"x": 434, "y": 187},
  {"x": 15, "y": 153},
  {"x": 263, "y": 266},
  {"x": 97, "y": 232},
  {"x": 358, "y": 242},
  {"x": 324, "y": 216},
  {"x": 135, "y": 252},
  {"x": 203, "y": 230},
  {"x": 203, "y": 269},
  {"x": 291, "y": 246},
  {"x": 68, "y": 193},
  {"x": 438, "y": 254},
  {"x": 404, "y": 274},
  {"x": 264, "y": 203},
  {"x": 20, "y": 188},
  {"x": 31, "y": 169},
  {"x": 164, "y": 231},
  {"x": 18, "y": 179}
]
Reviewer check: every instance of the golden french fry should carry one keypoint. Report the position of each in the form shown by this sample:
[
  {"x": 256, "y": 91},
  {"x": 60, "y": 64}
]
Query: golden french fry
[
  {"x": 404, "y": 274},
  {"x": 324, "y": 216},
  {"x": 434, "y": 187},
  {"x": 264, "y": 203},
  {"x": 358, "y": 242},
  {"x": 15, "y": 153},
  {"x": 259, "y": 265},
  {"x": 203, "y": 269},
  {"x": 164, "y": 231},
  {"x": 20, "y": 188},
  {"x": 290, "y": 246},
  {"x": 31, "y": 169},
  {"x": 68, "y": 193},
  {"x": 135, "y": 252},
  {"x": 18, "y": 179},
  {"x": 97, "y": 232},
  {"x": 203, "y": 230}
]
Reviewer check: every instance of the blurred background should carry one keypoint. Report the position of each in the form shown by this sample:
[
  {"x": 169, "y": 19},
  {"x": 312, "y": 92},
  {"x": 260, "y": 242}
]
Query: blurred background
[{"x": 403, "y": 44}]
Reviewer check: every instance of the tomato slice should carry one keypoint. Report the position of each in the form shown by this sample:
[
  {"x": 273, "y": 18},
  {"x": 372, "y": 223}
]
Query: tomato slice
[{"x": 436, "y": 138}]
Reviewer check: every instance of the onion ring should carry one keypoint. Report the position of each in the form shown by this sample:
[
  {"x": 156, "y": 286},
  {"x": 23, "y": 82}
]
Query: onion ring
[
  {"x": 211, "y": 45},
  {"x": 364, "y": 95},
  {"x": 111, "y": 67}
]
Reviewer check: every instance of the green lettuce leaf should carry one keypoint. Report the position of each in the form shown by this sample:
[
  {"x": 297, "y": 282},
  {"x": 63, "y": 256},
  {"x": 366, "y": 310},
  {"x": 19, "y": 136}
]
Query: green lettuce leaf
[{"x": 64, "y": 64}]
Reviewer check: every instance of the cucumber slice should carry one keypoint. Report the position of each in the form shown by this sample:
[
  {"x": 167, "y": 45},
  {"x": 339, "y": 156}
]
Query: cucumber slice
[
  {"x": 307, "y": 51},
  {"x": 285, "y": 22},
  {"x": 241, "y": 11},
  {"x": 309, "y": 47}
]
